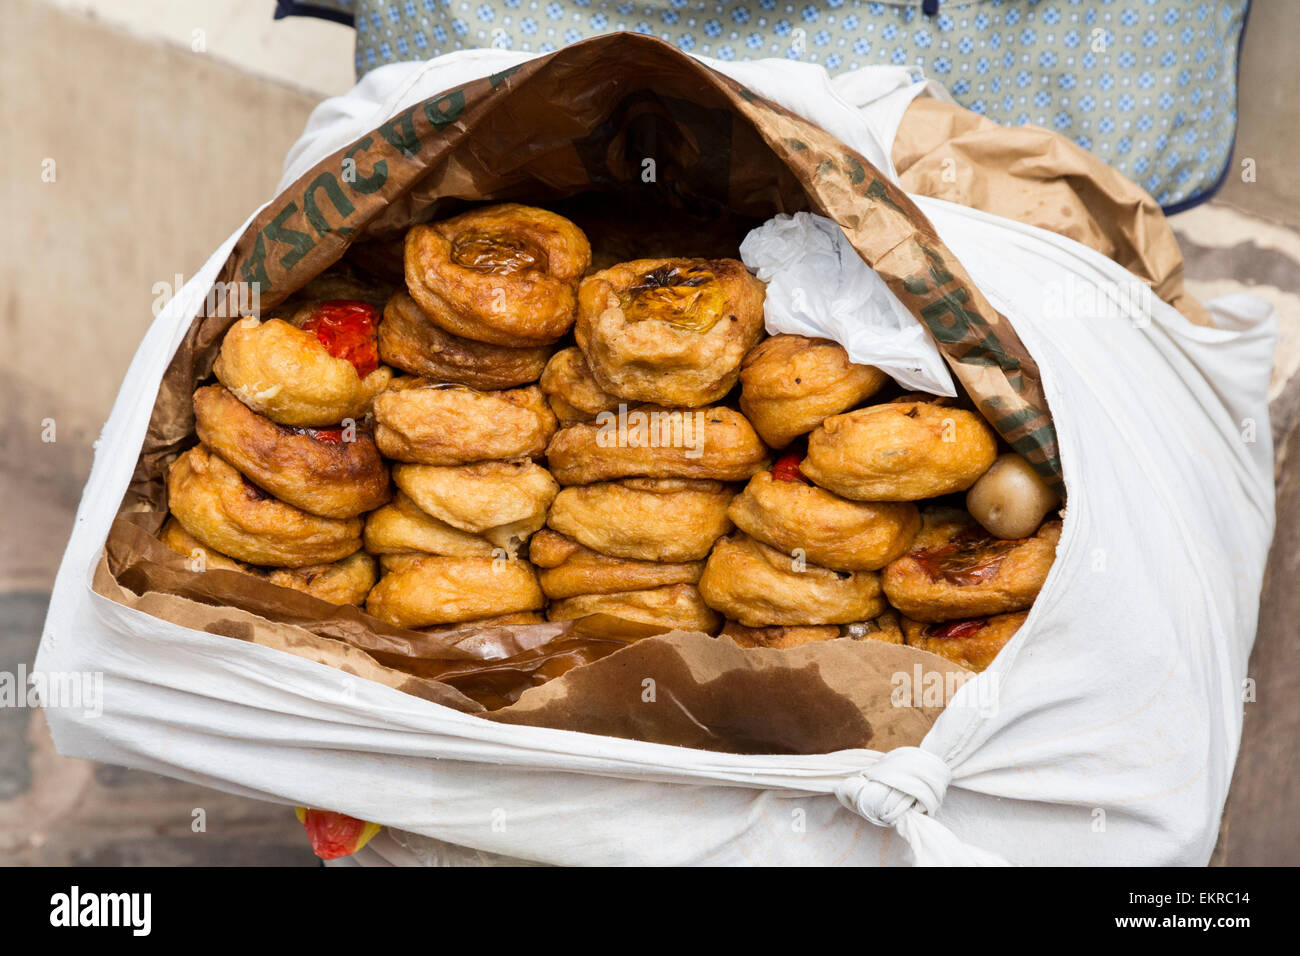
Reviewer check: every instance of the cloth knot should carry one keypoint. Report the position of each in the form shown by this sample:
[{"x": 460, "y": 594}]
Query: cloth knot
[{"x": 895, "y": 784}]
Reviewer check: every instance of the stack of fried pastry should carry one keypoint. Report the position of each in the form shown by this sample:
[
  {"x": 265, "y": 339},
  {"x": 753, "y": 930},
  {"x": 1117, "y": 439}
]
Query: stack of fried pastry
[
  {"x": 648, "y": 456},
  {"x": 831, "y": 541},
  {"x": 488, "y": 294},
  {"x": 625, "y": 442},
  {"x": 285, "y": 464}
]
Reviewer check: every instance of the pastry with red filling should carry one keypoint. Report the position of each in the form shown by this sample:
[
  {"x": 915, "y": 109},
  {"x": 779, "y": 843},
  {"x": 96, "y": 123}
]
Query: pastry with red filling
[
  {"x": 334, "y": 472},
  {"x": 318, "y": 368},
  {"x": 955, "y": 569}
]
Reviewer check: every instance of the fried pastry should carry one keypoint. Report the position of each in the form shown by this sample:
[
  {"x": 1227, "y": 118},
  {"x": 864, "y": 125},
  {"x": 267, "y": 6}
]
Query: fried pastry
[
  {"x": 333, "y": 472},
  {"x": 202, "y": 558},
  {"x": 955, "y": 569},
  {"x": 567, "y": 569},
  {"x": 715, "y": 443},
  {"x": 342, "y": 582},
  {"x": 669, "y": 331},
  {"x": 320, "y": 369},
  {"x": 504, "y": 501},
  {"x": 779, "y": 637},
  {"x": 228, "y": 513},
  {"x": 453, "y": 425},
  {"x": 791, "y": 515},
  {"x": 789, "y": 384},
  {"x": 645, "y": 519},
  {"x": 972, "y": 643},
  {"x": 675, "y": 607},
  {"x": 900, "y": 451},
  {"x": 506, "y": 274},
  {"x": 402, "y": 527},
  {"x": 411, "y": 341},
  {"x": 436, "y": 589},
  {"x": 569, "y": 387},
  {"x": 759, "y": 586},
  {"x": 517, "y": 619}
]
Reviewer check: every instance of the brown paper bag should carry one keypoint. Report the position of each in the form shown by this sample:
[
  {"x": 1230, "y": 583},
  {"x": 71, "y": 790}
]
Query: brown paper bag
[{"x": 642, "y": 146}]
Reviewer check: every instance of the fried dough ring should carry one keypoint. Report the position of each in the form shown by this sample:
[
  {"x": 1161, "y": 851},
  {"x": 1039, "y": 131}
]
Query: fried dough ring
[
  {"x": 343, "y": 582},
  {"x": 322, "y": 475},
  {"x": 572, "y": 391},
  {"x": 900, "y": 451},
  {"x": 286, "y": 374},
  {"x": 454, "y": 425},
  {"x": 402, "y": 527},
  {"x": 832, "y": 532},
  {"x": 506, "y": 274},
  {"x": 758, "y": 586},
  {"x": 789, "y": 384},
  {"x": 645, "y": 519},
  {"x": 449, "y": 590},
  {"x": 955, "y": 569},
  {"x": 885, "y": 628},
  {"x": 217, "y": 505},
  {"x": 721, "y": 445},
  {"x": 971, "y": 643},
  {"x": 504, "y": 501},
  {"x": 202, "y": 558},
  {"x": 567, "y": 569},
  {"x": 779, "y": 637},
  {"x": 675, "y": 607},
  {"x": 411, "y": 341},
  {"x": 669, "y": 331}
]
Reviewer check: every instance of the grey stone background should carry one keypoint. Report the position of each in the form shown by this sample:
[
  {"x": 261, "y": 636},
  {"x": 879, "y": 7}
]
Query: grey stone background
[{"x": 161, "y": 149}]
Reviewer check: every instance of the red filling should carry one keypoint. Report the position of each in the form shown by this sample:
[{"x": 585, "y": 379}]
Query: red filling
[
  {"x": 347, "y": 330},
  {"x": 326, "y": 436},
  {"x": 332, "y": 834},
  {"x": 972, "y": 556},
  {"x": 786, "y": 468},
  {"x": 957, "y": 628}
]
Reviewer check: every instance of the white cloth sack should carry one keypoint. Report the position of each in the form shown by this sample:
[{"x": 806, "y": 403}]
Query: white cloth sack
[{"x": 1118, "y": 703}]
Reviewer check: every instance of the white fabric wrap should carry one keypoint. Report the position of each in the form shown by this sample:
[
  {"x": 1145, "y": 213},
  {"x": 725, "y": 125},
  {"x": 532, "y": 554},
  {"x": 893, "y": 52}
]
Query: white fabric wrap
[{"x": 1104, "y": 733}]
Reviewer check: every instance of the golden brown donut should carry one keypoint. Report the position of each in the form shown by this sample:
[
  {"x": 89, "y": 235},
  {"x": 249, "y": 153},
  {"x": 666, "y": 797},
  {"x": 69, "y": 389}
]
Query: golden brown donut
[
  {"x": 566, "y": 569},
  {"x": 955, "y": 569},
  {"x": 343, "y": 582},
  {"x": 675, "y": 607},
  {"x": 454, "y": 425},
  {"x": 669, "y": 331},
  {"x": 202, "y": 558},
  {"x": 504, "y": 274},
  {"x": 759, "y": 586},
  {"x": 716, "y": 443},
  {"x": 779, "y": 637},
  {"x": 290, "y": 375},
  {"x": 411, "y": 341},
  {"x": 517, "y": 619},
  {"x": 789, "y": 384},
  {"x": 504, "y": 501},
  {"x": 831, "y": 531},
  {"x": 571, "y": 390},
  {"x": 900, "y": 451},
  {"x": 646, "y": 519},
  {"x": 972, "y": 643},
  {"x": 333, "y": 472},
  {"x": 227, "y": 512},
  {"x": 403, "y": 528},
  {"x": 448, "y": 590}
]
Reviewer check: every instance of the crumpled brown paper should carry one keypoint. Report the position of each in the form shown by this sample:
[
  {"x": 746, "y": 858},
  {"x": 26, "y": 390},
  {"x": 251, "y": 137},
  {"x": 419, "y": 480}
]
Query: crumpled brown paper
[{"x": 1038, "y": 177}]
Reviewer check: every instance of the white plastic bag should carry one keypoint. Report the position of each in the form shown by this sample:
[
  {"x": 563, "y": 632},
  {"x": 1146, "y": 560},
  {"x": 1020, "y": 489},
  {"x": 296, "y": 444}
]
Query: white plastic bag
[
  {"x": 1117, "y": 705},
  {"x": 818, "y": 285}
]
